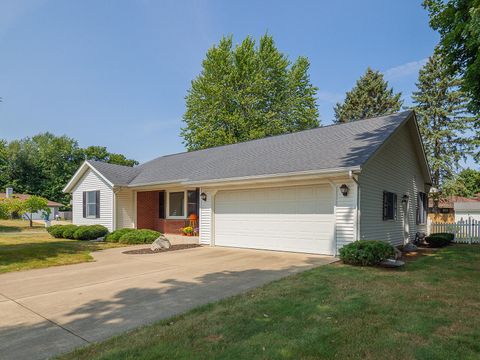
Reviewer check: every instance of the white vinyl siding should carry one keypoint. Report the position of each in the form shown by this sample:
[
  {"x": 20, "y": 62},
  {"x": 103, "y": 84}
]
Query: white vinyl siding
[
  {"x": 296, "y": 218},
  {"x": 125, "y": 209},
  {"x": 395, "y": 168},
  {"x": 206, "y": 218},
  {"x": 345, "y": 214},
  {"x": 92, "y": 182}
]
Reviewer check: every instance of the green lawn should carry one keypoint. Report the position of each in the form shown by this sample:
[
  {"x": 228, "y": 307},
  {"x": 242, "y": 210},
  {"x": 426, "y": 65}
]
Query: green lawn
[
  {"x": 23, "y": 248},
  {"x": 428, "y": 310}
]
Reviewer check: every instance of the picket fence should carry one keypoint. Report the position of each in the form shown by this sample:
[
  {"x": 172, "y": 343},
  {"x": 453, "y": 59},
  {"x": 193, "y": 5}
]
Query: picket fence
[{"x": 466, "y": 231}]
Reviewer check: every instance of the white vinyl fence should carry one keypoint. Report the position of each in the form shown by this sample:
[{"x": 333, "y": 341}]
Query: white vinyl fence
[{"x": 466, "y": 231}]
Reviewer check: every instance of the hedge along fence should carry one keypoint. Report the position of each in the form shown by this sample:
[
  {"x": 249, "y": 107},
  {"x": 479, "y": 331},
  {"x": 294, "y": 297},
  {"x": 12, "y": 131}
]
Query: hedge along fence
[{"x": 465, "y": 231}]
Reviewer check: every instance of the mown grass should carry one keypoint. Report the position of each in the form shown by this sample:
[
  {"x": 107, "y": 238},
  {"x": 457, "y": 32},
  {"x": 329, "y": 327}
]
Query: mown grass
[
  {"x": 27, "y": 248},
  {"x": 428, "y": 310}
]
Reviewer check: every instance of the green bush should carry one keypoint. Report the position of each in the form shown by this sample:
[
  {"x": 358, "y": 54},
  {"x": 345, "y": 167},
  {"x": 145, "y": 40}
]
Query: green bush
[
  {"x": 366, "y": 252},
  {"x": 56, "y": 231},
  {"x": 68, "y": 231},
  {"x": 142, "y": 236},
  {"x": 117, "y": 234},
  {"x": 90, "y": 232},
  {"x": 439, "y": 239}
]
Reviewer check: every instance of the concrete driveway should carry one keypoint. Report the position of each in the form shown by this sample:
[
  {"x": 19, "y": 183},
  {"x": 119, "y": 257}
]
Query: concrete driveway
[{"x": 49, "y": 311}]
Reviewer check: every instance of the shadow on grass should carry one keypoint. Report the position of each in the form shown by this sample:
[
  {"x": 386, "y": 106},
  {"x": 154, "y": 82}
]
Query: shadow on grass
[
  {"x": 21, "y": 256},
  {"x": 8, "y": 229}
]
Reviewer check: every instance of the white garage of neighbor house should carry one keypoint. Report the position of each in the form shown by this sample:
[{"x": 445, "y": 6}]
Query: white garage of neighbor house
[{"x": 312, "y": 191}]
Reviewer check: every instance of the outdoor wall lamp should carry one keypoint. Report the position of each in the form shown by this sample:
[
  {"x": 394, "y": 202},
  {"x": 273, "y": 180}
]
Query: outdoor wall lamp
[
  {"x": 344, "y": 189},
  {"x": 203, "y": 196},
  {"x": 404, "y": 199}
]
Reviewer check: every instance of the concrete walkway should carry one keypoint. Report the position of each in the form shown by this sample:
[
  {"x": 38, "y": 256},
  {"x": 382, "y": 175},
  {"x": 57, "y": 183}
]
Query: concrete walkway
[{"x": 49, "y": 311}]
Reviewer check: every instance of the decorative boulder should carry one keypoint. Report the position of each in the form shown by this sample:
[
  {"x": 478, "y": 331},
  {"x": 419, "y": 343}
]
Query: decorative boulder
[
  {"x": 160, "y": 243},
  {"x": 409, "y": 247},
  {"x": 100, "y": 239},
  {"x": 391, "y": 263}
]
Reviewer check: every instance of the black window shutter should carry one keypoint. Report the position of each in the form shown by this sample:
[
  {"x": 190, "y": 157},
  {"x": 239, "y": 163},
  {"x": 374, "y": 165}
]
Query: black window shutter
[
  {"x": 395, "y": 206},
  {"x": 385, "y": 206},
  {"x": 161, "y": 204},
  {"x": 84, "y": 203},
  {"x": 97, "y": 204}
]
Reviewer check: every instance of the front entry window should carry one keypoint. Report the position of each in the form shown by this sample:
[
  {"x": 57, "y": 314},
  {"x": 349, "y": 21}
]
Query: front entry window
[{"x": 176, "y": 202}]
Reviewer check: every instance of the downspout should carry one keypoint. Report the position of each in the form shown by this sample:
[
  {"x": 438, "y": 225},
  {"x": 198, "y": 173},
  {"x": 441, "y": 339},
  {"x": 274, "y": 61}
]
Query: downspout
[
  {"x": 114, "y": 208},
  {"x": 334, "y": 190},
  {"x": 357, "y": 232}
]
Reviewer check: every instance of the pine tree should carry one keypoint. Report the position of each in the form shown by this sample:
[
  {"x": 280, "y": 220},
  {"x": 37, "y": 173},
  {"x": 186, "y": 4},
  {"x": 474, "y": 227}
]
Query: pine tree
[
  {"x": 441, "y": 108},
  {"x": 369, "y": 98},
  {"x": 248, "y": 92}
]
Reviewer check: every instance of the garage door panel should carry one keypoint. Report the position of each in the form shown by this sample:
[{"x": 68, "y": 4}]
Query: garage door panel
[{"x": 290, "y": 219}]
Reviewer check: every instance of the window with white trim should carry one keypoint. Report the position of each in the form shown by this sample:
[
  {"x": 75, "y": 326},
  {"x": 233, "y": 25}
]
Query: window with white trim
[
  {"x": 91, "y": 204},
  {"x": 176, "y": 204},
  {"x": 389, "y": 205}
]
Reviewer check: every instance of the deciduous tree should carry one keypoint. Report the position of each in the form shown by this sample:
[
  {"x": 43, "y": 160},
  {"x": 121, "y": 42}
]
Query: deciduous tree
[{"x": 248, "y": 92}]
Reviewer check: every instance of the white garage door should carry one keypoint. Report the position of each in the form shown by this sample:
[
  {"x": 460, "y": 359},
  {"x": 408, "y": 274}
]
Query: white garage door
[{"x": 296, "y": 219}]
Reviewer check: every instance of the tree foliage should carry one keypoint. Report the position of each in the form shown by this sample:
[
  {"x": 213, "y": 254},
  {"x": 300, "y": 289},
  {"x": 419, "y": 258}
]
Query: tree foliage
[
  {"x": 248, "y": 92},
  {"x": 25, "y": 207},
  {"x": 43, "y": 164},
  {"x": 443, "y": 118},
  {"x": 458, "y": 23},
  {"x": 370, "y": 97},
  {"x": 466, "y": 184}
]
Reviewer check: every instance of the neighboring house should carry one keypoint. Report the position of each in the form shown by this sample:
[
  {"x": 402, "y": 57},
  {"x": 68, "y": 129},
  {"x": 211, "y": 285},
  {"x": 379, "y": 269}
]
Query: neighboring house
[
  {"x": 312, "y": 191},
  {"x": 454, "y": 208},
  {"x": 467, "y": 210},
  {"x": 54, "y": 206}
]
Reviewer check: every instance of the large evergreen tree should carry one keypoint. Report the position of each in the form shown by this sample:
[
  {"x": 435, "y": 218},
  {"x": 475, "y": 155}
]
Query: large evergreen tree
[
  {"x": 248, "y": 92},
  {"x": 369, "y": 98},
  {"x": 441, "y": 108}
]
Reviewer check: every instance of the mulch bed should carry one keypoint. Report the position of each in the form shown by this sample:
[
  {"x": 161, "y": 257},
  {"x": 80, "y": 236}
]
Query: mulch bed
[
  {"x": 172, "y": 248},
  {"x": 421, "y": 252}
]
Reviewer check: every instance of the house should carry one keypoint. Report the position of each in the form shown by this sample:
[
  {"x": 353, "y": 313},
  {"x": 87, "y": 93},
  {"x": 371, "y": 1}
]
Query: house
[
  {"x": 311, "y": 191},
  {"x": 54, "y": 206},
  {"x": 454, "y": 208},
  {"x": 466, "y": 210}
]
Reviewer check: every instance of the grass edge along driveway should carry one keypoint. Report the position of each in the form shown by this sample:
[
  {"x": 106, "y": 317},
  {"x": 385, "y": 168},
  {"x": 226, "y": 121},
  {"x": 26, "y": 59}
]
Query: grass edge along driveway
[{"x": 428, "y": 310}]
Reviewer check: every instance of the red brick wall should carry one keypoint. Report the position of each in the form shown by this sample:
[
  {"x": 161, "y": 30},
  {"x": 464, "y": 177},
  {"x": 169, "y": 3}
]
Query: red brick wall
[{"x": 147, "y": 215}]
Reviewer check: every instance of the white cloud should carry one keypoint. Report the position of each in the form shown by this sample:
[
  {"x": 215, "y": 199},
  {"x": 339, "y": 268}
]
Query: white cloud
[
  {"x": 330, "y": 97},
  {"x": 404, "y": 70}
]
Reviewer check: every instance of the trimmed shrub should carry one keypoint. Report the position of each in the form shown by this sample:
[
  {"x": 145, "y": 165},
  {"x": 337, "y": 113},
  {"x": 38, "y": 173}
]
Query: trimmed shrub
[
  {"x": 439, "y": 239},
  {"x": 56, "y": 231},
  {"x": 142, "y": 236},
  {"x": 90, "y": 232},
  {"x": 117, "y": 234},
  {"x": 68, "y": 231},
  {"x": 366, "y": 252}
]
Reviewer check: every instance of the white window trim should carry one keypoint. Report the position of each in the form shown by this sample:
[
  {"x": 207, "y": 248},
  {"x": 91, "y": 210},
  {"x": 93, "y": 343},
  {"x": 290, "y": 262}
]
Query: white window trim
[
  {"x": 167, "y": 215},
  {"x": 87, "y": 216},
  {"x": 185, "y": 203}
]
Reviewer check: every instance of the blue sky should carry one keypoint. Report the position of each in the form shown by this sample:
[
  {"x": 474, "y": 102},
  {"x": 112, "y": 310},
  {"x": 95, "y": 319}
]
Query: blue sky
[{"x": 115, "y": 73}]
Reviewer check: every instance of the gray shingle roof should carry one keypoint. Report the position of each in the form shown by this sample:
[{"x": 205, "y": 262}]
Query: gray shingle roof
[
  {"x": 330, "y": 147},
  {"x": 116, "y": 174}
]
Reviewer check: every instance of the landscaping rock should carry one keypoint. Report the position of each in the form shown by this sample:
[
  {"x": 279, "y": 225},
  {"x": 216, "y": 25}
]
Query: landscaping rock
[
  {"x": 100, "y": 239},
  {"x": 391, "y": 263},
  {"x": 409, "y": 247},
  {"x": 160, "y": 243}
]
